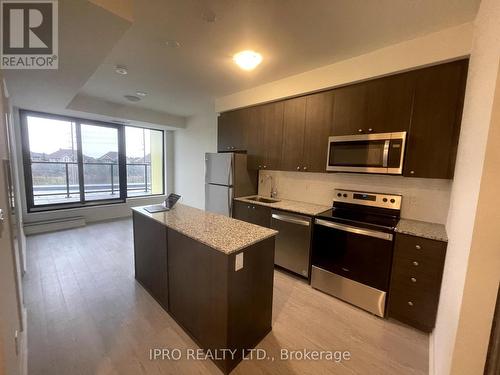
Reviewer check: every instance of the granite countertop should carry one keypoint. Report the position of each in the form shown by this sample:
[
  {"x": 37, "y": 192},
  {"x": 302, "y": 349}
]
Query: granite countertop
[
  {"x": 310, "y": 209},
  {"x": 221, "y": 233},
  {"x": 423, "y": 229}
]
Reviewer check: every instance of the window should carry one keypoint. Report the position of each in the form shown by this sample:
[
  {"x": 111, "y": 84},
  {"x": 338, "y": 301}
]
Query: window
[
  {"x": 144, "y": 161},
  {"x": 71, "y": 162}
]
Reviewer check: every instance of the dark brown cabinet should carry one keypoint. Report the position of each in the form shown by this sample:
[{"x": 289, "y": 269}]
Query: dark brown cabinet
[
  {"x": 417, "y": 270},
  {"x": 233, "y": 130},
  {"x": 318, "y": 128},
  {"x": 294, "y": 122},
  {"x": 435, "y": 127},
  {"x": 306, "y": 128},
  {"x": 292, "y": 134},
  {"x": 381, "y": 105},
  {"x": 150, "y": 254},
  {"x": 252, "y": 213},
  {"x": 265, "y": 136}
]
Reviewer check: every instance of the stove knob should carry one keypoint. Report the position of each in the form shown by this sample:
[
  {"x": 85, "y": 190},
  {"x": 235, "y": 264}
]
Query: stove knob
[
  {"x": 393, "y": 200},
  {"x": 339, "y": 195},
  {"x": 345, "y": 195},
  {"x": 384, "y": 200}
]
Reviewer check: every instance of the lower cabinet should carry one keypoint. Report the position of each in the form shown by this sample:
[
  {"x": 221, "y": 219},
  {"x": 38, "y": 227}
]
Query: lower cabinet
[
  {"x": 416, "y": 281},
  {"x": 252, "y": 213},
  {"x": 150, "y": 253}
]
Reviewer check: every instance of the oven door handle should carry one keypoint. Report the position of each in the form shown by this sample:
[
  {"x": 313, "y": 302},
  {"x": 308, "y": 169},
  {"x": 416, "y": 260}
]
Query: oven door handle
[
  {"x": 290, "y": 219},
  {"x": 356, "y": 230}
]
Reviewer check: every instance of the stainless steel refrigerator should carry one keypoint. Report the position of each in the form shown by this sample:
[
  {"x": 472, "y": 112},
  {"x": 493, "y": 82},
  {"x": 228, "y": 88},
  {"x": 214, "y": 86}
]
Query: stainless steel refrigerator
[{"x": 227, "y": 177}]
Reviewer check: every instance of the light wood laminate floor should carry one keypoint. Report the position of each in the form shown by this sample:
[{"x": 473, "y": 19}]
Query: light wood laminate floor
[{"x": 87, "y": 315}]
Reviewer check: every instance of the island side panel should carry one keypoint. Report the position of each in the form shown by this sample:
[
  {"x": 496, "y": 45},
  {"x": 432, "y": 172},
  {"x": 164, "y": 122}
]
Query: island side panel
[
  {"x": 197, "y": 277},
  {"x": 150, "y": 256},
  {"x": 250, "y": 297}
]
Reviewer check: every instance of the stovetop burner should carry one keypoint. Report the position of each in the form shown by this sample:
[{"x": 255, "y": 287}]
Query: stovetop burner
[{"x": 362, "y": 209}]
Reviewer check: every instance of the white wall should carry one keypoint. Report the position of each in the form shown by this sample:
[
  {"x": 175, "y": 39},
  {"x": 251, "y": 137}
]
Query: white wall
[
  {"x": 483, "y": 72},
  {"x": 423, "y": 199},
  {"x": 443, "y": 45},
  {"x": 190, "y": 145}
]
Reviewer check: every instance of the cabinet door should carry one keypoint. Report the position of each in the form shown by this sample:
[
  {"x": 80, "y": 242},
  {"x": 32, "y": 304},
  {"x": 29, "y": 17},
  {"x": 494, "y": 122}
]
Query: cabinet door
[
  {"x": 265, "y": 134},
  {"x": 389, "y": 103},
  {"x": 150, "y": 256},
  {"x": 260, "y": 215},
  {"x": 349, "y": 110},
  {"x": 232, "y": 130},
  {"x": 435, "y": 127},
  {"x": 272, "y": 117},
  {"x": 294, "y": 116},
  {"x": 241, "y": 210},
  {"x": 318, "y": 126}
]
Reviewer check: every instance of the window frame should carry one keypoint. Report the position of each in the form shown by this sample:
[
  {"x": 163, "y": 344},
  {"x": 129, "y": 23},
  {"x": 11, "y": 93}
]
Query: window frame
[
  {"x": 163, "y": 158},
  {"x": 82, "y": 203}
]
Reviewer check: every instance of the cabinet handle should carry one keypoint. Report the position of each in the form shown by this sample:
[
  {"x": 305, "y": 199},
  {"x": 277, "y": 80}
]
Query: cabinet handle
[
  {"x": 370, "y": 129},
  {"x": 415, "y": 263},
  {"x": 265, "y": 166},
  {"x": 412, "y": 172},
  {"x": 360, "y": 130},
  {"x": 418, "y": 247},
  {"x": 410, "y": 303},
  {"x": 228, "y": 148},
  {"x": 260, "y": 166},
  {"x": 413, "y": 280},
  {"x": 248, "y": 207},
  {"x": 298, "y": 168},
  {"x": 305, "y": 168}
]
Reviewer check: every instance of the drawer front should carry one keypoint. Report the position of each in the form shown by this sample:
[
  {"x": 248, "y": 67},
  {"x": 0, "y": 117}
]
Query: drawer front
[{"x": 416, "y": 280}]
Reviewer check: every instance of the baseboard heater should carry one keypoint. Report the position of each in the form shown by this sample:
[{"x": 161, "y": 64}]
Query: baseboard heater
[{"x": 53, "y": 225}]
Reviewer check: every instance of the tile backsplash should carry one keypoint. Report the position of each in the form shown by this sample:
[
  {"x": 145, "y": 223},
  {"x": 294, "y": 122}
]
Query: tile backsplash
[{"x": 423, "y": 199}]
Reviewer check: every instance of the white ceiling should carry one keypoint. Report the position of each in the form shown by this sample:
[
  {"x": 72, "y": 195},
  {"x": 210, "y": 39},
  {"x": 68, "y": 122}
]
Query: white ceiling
[{"x": 292, "y": 35}]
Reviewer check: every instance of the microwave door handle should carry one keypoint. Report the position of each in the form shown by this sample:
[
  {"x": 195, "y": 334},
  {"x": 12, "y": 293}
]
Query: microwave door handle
[{"x": 385, "y": 156}]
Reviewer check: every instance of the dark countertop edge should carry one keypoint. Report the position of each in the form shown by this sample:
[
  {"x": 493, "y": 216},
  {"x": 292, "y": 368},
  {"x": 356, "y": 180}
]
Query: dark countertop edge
[{"x": 140, "y": 210}]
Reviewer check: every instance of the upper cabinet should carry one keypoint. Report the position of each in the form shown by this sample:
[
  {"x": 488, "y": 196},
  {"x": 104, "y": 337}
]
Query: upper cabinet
[
  {"x": 294, "y": 121},
  {"x": 233, "y": 128},
  {"x": 435, "y": 126},
  {"x": 265, "y": 136},
  {"x": 318, "y": 127},
  {"x": 378, "y": 106},
  {"x": 292, "y": 134}
]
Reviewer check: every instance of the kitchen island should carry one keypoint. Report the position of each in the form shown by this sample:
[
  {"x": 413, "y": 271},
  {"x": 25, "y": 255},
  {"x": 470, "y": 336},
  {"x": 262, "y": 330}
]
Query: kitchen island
[{"x": 211, "y": 273}]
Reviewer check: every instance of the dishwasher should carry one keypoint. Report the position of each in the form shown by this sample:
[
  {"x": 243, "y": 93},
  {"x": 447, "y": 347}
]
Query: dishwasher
[{"x": 293, "y": 242}]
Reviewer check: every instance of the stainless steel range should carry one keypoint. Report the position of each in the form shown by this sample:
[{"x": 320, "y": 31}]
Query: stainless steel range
[{"x": 352, "y": 248}]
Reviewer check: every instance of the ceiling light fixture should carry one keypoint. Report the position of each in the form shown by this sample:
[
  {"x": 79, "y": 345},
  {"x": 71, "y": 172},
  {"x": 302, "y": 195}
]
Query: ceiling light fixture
[
  {"x": 172, "y": 43},
  {"x": 132, "y": 98},
  {"x": 142, "y": 94},
  {"x": 120, "y": 69},
  {"x": 247, "y": 60}
]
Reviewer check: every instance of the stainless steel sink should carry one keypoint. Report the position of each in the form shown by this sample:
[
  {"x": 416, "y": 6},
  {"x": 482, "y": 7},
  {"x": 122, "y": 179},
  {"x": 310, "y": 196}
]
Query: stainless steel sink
[{"x": 263, "y": 199}]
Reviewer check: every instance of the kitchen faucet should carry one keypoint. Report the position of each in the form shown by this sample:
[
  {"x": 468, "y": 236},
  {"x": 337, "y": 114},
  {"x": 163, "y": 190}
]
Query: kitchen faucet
[{"x": 274, "y": 192}]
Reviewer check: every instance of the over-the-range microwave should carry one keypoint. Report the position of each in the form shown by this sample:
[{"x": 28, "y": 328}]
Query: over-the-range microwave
[{"x": 367, "y": 153}]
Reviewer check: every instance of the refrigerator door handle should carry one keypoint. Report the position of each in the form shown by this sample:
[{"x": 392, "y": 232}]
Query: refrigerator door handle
[
  {"x": 230, "y": 172},
  {"x": 230, "y": 201}
]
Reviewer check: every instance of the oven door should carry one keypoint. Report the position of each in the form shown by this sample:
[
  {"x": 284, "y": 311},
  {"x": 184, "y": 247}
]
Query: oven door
[
  {"x": 367, "y": 153},
  {"x": 359, "y": 254}
]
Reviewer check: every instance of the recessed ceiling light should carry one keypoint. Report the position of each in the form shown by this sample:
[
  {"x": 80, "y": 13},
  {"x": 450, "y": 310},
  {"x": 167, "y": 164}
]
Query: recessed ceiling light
[
  {"x": 120, "y": 69},
  {"x": 132, "y": 98},
  {"x": 209, "y": 16},
  {"x": 247, "y": 60},
  {"x": 172, "y": 43},
  {"x": 142, "y": 94}
]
